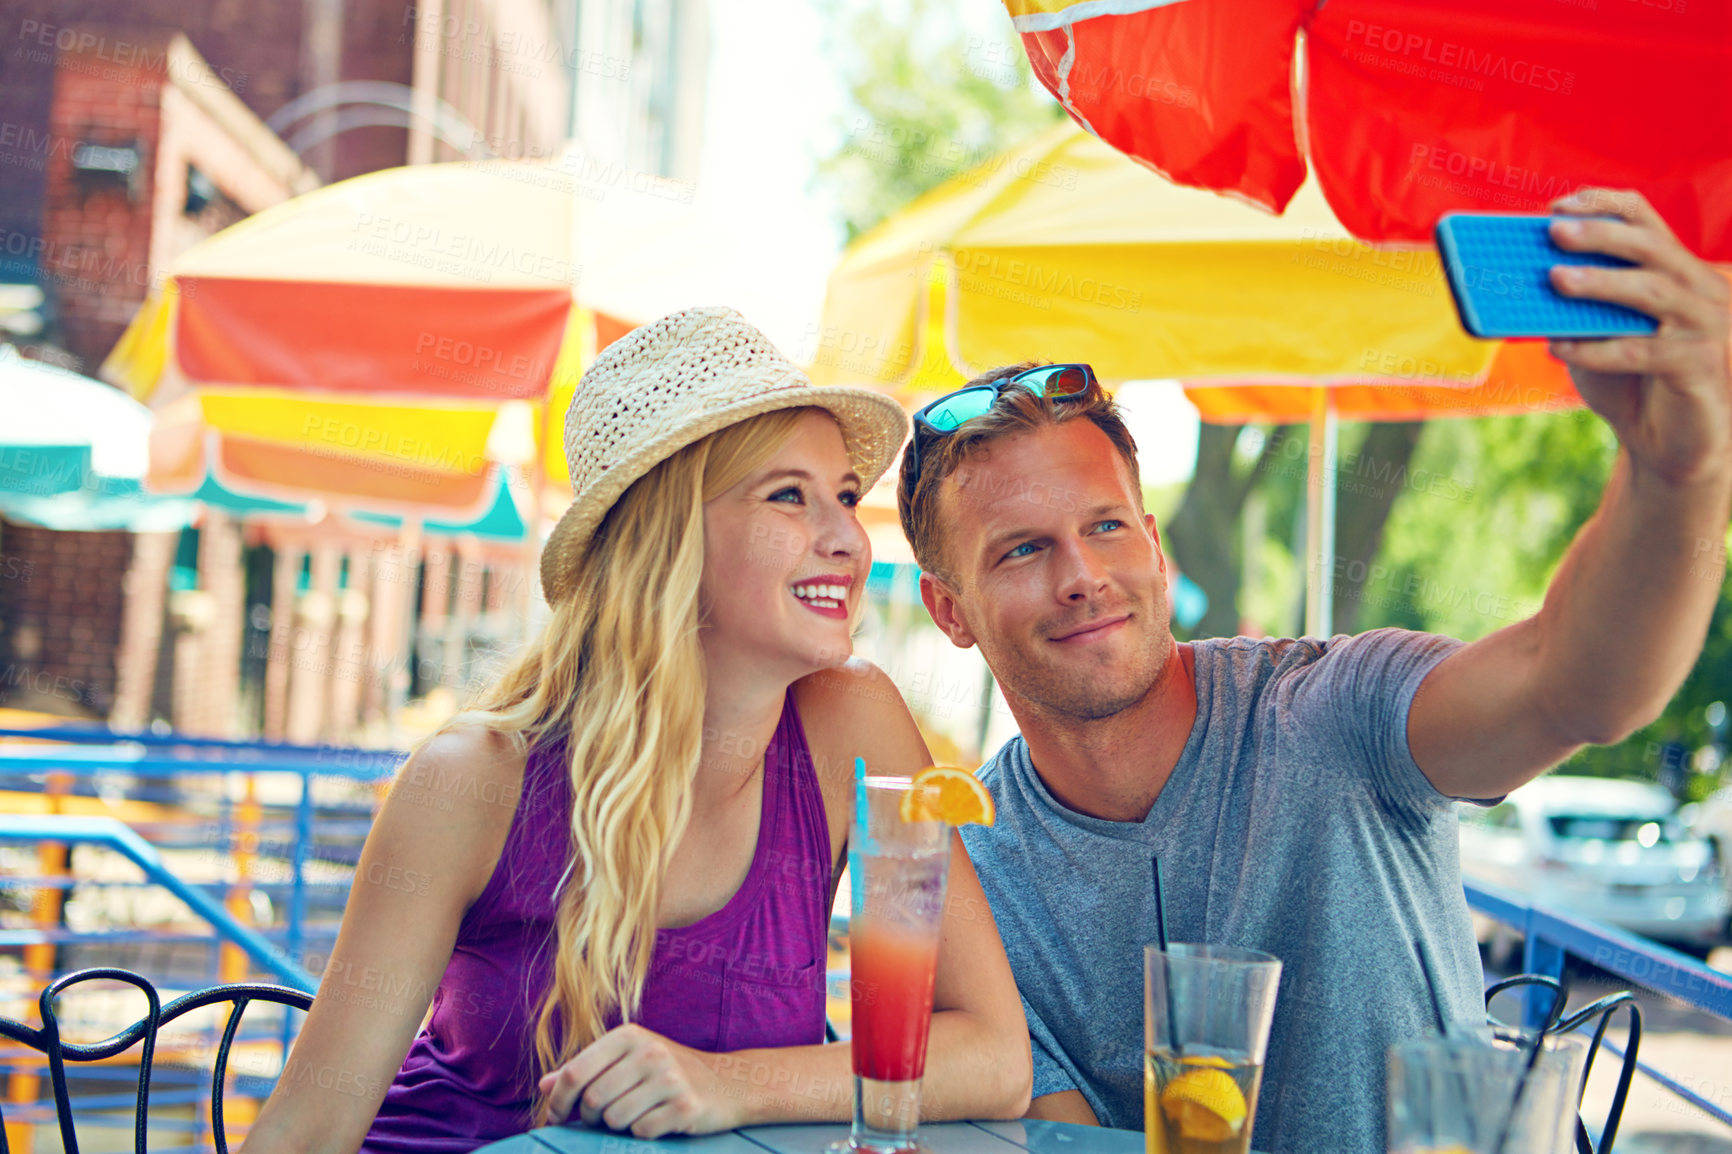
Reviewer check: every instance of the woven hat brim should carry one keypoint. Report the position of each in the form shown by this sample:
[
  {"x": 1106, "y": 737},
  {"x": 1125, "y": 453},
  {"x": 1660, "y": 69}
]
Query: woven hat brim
[{"x": 873, "y": 429}]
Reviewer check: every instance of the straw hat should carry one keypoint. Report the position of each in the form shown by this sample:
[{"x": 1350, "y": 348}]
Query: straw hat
[{"x": 665, "y": 385}]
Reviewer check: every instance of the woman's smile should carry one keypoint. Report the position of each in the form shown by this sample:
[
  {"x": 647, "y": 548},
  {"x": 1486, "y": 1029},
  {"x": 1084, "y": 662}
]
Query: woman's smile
[{"x": 826, "y": 595}]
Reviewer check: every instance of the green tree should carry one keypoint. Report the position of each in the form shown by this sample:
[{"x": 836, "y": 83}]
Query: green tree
[
  {"x": 928, "y": 100},
  {"x": 1200, "y": 536},
  {"x": 1373, "y": 460},
  {"x": 1485, "y": 516}
]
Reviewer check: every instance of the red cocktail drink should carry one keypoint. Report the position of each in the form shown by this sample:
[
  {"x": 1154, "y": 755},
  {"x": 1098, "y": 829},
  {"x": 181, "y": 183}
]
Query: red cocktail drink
[
  {"x": 897, "y": 872},
  {"x": 893, "y": 972}
]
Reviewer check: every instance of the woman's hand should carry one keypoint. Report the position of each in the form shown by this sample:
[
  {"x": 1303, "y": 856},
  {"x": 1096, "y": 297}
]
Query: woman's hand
[{"x": 634, "y": 1079}]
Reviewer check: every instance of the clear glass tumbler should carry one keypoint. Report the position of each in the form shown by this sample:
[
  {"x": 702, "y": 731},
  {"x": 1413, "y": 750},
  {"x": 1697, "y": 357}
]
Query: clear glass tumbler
[
  {"x": 1206, "y": 1017},
  {"x": 897, "y": 872},
  {"x": 1458, "y": 1096}
]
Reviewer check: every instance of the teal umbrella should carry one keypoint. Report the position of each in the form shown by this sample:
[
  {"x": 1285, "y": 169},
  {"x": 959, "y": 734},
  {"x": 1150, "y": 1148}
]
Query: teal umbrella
[
  {"x": 215, "y": 494},
  {"x": 100, "y": 504},
  {"x": 35, "y": 470},
  {"x": 502, "y": 522},
  {"x": 73, "y": 451},
  {"x": 61, "y": 428}
]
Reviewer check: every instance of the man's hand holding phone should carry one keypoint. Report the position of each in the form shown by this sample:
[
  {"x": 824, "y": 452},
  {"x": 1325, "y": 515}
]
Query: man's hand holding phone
[{"x": 1668, "y": 396}]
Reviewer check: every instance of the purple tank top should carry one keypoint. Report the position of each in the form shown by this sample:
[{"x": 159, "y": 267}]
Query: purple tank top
[{"x": 750, "y": 975}]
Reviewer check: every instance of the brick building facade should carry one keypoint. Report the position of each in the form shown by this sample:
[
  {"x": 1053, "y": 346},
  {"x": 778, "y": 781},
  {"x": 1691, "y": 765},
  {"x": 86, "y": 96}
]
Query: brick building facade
[
  {"x": 60, "y": 614},
  {"x": 354, "y": 85},
  {"x": 184, "y": 160},
  {"x": 130, "y": 130},
  {"x": 141, "y": 151}
]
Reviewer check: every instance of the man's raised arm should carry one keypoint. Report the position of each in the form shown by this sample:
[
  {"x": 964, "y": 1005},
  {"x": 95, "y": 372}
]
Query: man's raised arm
[{"x": 1624, "y": 618}]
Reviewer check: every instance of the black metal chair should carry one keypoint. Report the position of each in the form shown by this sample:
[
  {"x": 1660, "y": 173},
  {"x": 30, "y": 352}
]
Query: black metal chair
[
  {"x": 47, "y": 1041},
  {"x": 1556, "y": 1023}
]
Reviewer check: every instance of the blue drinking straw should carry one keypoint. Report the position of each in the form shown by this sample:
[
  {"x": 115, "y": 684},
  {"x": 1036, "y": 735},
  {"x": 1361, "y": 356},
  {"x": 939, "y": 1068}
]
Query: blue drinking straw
[{"x": 862, "y": 822}]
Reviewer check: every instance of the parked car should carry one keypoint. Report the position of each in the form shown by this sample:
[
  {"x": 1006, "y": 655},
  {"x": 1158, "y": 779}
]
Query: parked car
[
  {"x": 1613, "y": 851},
  {"x": 1711, "y": 818}
]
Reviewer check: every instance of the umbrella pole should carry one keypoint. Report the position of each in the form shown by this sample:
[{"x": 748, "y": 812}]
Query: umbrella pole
[
  {"x": 529, "y": 561},
  {"x": 1320, "y": 517},
  {"x": 408, "y": 622},
  {"x": 532, "y": 540}
]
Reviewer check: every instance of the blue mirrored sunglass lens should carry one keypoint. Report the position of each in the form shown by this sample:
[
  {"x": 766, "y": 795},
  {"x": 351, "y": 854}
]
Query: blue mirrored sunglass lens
[{"x": 965, "y": 406}]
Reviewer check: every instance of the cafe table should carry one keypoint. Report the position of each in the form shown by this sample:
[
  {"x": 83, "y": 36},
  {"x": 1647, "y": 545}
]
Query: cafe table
[{"x": 1024, "y": 1137}]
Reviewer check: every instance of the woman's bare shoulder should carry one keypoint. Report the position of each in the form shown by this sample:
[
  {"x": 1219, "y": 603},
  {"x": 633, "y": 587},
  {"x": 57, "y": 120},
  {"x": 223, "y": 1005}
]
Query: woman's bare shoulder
[
  {"x": 466, "y": 761},
  {"x": 856, "y": 688},
  {"x": 458, "y": 790},
  {"x": 451, "y": 805},
  {"x": 856, "y": 710}
]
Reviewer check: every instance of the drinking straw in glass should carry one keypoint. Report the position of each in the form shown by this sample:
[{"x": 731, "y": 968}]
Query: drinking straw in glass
[
  {"x": 1468, "y": 1095},
  {"x": 1206, "y": 1017},
  {"x": 898, "y": 872},
  {"x": 1161, "y": 940}
]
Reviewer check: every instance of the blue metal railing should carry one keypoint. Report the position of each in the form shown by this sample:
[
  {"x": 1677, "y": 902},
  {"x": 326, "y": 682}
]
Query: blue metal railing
[
  {"x": 174, "y": 760},
  {"x": 1550, "y": 937},
  {"x": 307, "y": 812},
  {"x": 249, "y": 751},
  {"x": 116, "y": 835}
]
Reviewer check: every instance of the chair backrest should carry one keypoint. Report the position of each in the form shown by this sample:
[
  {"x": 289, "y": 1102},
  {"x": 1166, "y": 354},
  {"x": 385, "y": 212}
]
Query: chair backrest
[
  {"x": 47, "y": 1041},
  {"x": 1601, "y": 1010}
]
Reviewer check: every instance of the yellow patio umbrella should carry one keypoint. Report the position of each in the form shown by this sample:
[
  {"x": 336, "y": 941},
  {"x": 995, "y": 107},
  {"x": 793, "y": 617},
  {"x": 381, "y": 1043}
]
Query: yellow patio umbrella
[{"x": 1062, "y": 248}]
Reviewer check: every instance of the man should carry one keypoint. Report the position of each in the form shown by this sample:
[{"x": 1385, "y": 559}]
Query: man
[{"x": 1297, "y": 793}]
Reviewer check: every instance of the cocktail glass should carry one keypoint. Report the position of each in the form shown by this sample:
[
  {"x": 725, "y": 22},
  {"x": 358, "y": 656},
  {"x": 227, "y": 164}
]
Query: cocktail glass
[
  {"x": 1206, "y": 1016},
  {"x": 897, "y": 872},
  {"x": 1458, "y": 1096}
]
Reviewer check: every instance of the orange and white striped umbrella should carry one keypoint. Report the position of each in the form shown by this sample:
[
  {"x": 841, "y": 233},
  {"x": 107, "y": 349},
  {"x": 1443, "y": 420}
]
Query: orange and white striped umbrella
[{"x": 382, "y": 339}]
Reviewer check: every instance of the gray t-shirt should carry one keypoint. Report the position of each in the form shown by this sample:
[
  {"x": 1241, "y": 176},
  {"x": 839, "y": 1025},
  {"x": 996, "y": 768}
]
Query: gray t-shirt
[{"x": 1295, "y": 822}]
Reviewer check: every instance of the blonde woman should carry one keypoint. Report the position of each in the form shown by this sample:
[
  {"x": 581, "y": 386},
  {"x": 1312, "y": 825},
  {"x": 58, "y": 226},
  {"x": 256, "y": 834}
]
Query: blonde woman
[{"x": 612, "y": 878}]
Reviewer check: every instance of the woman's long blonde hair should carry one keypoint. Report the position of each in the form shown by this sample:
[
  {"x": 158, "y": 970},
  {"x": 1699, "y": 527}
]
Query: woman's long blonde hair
[{"x": 617, "y": 679}]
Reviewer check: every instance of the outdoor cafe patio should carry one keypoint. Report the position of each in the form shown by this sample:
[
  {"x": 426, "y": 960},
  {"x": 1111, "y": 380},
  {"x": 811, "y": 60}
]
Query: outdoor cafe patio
[{"x": 389, "y": 428}]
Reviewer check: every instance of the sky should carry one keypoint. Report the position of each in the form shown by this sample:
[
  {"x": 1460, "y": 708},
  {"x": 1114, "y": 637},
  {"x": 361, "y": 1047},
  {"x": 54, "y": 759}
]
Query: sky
[{"x": 776, "y": 103}]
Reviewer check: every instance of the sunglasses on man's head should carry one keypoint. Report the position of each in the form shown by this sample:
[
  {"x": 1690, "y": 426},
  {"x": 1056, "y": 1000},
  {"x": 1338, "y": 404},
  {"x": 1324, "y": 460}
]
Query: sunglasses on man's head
[{"x": 951, "y": 411}]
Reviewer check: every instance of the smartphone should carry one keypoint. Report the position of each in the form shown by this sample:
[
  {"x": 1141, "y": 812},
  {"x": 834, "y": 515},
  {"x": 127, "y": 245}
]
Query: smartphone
[{"x": 1497, "y": 266}]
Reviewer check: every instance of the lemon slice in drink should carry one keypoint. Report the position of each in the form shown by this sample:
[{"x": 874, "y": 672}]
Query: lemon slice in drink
[
  {"x": 944, "y": 793},
  {"x": 1205, "y": 1104}
]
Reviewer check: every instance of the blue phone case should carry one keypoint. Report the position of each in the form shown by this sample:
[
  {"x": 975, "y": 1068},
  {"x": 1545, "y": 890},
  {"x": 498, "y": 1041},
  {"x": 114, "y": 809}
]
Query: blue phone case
[{"x": 1497, "y": 263}]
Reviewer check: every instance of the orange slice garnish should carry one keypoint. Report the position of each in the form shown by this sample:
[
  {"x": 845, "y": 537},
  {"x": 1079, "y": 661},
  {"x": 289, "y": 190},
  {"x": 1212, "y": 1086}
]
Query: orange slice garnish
[{"x": 950, "y": 795}]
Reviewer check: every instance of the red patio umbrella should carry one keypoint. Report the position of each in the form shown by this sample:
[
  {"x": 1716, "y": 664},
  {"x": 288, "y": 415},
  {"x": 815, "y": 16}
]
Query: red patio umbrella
[{"x": 1408, "y": 109}]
